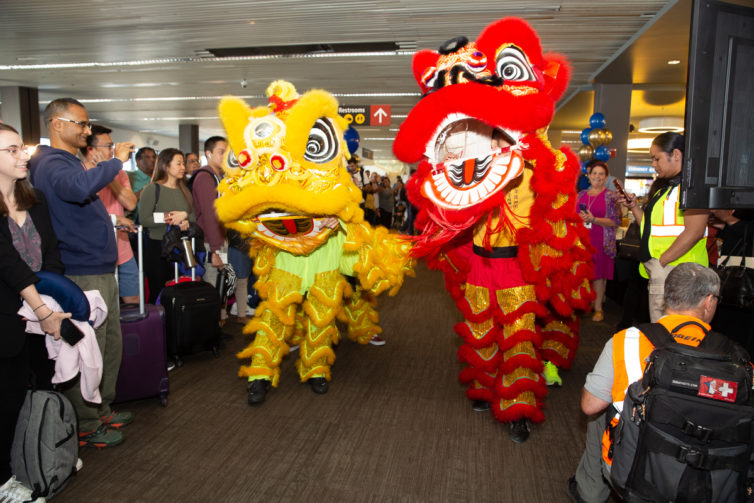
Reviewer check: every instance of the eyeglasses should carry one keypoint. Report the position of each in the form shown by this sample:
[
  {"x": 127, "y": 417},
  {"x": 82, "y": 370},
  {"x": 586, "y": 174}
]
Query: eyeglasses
[
  {"x": 15, "y": 151},
  {"x": 108, "y": 146},
  {"x": 83, "y": 124}
]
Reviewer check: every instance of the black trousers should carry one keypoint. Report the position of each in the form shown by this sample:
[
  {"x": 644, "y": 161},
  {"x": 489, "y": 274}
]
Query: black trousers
[
  {"x": 157, "y": 270},
  {"x": 17, "y": 373}
]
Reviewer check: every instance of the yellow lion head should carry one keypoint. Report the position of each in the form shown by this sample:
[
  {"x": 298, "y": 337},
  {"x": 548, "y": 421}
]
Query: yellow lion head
[{"x": 286, "y": 169}]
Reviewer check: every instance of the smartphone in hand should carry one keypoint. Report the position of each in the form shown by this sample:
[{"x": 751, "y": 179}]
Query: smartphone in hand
[
  {"x": 619, "y": 188},
  {"x": 70, "y": 332}
]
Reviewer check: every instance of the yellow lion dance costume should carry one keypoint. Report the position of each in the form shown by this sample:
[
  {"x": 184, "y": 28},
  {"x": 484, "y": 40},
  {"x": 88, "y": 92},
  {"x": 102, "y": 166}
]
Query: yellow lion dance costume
[{"x": 287, "y": 190}]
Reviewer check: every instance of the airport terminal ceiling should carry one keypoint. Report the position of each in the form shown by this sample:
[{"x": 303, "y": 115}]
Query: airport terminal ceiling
[{"x": 150, "y": 66}]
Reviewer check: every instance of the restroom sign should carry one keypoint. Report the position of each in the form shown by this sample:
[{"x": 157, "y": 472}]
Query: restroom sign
[
  {"x": 355, "y": 114},
  {"x": 365, "y": 115}
]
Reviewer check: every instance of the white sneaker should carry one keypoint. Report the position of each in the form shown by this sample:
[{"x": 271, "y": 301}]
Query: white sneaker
[
  {"x": 293, "y": 348},
  {"x": 79, "y": 465},
  {"x": 376, "y": 340},
  {"x": 14, "y": 491},
  {"x": 234, "y": 310}
]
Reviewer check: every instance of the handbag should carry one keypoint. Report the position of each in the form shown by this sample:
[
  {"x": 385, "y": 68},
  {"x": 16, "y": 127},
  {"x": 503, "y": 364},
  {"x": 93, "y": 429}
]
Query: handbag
[
  {"x": 736, "y": 281},
  {"x": 628, "y": 247}
]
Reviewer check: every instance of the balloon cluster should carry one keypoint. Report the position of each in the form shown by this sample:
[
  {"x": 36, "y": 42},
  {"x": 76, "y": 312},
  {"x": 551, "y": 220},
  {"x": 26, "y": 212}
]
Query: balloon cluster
[
  {"x": 352, "y": 139},
  {"x": 595, "y": 139}
]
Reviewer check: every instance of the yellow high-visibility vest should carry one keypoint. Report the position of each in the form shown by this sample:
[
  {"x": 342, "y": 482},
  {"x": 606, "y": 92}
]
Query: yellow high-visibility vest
[{"x": 667, "y": 225}]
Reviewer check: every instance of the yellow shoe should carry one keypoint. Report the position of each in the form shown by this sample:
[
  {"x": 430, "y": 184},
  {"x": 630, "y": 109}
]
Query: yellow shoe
[
  {"x": 598, "y": 316},
  {"x": 550, "y": 373}
]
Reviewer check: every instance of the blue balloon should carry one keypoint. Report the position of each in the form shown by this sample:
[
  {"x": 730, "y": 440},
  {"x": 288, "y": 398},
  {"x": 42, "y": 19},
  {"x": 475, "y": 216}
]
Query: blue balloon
[
  {"x": 597, "y": 121},
  {"x": 352, "y": 139},
  {"x": 602, "y": 153},
  {"x": 585, "y": 135},
  {"x": 583, "y": 167}
]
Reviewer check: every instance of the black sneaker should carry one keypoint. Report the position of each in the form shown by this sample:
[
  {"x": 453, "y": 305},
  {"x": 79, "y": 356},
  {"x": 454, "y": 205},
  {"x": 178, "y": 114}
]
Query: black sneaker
[
  {"x": 319, "y": 385},
  {"x": 480, "y": 405},
  {"x": 572, "y": 490},
  {"x": 258, "y": 389},
  {"x": 520, "y": 430}
]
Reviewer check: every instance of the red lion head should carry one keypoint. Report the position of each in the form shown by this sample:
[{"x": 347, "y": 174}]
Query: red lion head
[{"x": 485, "y": 107}]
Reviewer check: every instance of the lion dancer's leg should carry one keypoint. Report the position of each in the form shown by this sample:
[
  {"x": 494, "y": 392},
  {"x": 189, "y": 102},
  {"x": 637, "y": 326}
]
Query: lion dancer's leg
[
  {"x": 479, "y": 350},
  {"x": 323, "y": 303},
  {"x": 360, "y": 315},
  {"x": 299, "y": 330},
  {"x": 560, "y": 338},
  {"x": 273, "y": 324},
  {"x": 501, "y": 341},
  {"x": 518, "y": 385}
]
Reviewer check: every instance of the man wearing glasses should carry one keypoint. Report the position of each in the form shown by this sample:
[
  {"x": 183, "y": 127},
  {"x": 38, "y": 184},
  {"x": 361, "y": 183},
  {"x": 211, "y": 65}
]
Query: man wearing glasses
[
  {"x": 117, "y": 198},
  {"x": 87, "y": 248}
]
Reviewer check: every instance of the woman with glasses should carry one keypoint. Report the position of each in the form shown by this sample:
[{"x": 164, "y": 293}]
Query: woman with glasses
[
  {"x": 165, "y": 201},
  {"x": 27, "y": 245}
]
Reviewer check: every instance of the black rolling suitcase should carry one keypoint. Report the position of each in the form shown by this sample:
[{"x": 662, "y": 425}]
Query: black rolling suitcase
[{"x": 192, "y": 318}]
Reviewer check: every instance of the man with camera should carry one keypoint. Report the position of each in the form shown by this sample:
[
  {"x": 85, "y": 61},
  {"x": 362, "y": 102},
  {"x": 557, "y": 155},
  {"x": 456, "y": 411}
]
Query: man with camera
[{"x": 87, "y": 248}]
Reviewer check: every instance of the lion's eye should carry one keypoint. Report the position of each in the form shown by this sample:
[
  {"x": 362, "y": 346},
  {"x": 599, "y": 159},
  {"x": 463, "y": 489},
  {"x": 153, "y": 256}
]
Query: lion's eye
[
  {"x": 263, "y": 129},
  {"x": 322, "y": 145},
  {"x": 232, "y": 161},
  {"x": 513, "y": 66}
]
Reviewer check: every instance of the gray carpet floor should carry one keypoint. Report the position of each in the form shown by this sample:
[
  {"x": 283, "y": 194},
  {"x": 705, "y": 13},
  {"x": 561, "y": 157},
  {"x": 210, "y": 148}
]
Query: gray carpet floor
[{"x": 395, "y": 426}]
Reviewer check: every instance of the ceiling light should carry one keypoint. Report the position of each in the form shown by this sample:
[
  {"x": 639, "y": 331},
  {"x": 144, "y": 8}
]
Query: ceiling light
[
  {"x": 163, "y": 61},
  {"x": 209, "y": 117},
  {"x": 376, "y": 95},
  {"x": 674, "y": 62},
  {"x": 246, "y": 97},
  {"x": 661, "y": 125}
]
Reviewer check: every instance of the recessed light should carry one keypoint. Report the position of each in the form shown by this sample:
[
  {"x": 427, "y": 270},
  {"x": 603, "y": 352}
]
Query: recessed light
[
  {"x": 252, "y": 22},
  {"x": 657, "y": 125},
  {"x": 674, "y": 62}
]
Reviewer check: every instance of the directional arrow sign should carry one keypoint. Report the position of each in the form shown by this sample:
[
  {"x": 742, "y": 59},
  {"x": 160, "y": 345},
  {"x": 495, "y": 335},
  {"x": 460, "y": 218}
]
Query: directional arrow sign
[{"x": 379, "y": 115}]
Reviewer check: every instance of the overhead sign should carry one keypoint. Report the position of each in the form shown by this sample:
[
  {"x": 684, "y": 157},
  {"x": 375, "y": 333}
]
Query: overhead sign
[
  {"x": 365, "y": 115},
  {"x": 367, "y": 153},
  {"x": 379, "y": 115},
  {"x": 355, "y": 114}
]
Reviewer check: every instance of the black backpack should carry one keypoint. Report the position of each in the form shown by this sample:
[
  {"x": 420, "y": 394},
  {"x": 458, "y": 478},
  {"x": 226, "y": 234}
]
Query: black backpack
[{"x": 685, "y": 431}]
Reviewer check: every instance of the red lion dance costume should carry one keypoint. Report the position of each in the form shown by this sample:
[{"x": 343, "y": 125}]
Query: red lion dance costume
[{"x": 497, "y": 211}]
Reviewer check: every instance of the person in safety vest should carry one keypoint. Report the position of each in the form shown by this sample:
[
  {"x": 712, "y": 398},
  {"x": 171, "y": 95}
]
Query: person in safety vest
[
  {"x": 691, "y": 295},
  {"x": 669, "y": 235}
]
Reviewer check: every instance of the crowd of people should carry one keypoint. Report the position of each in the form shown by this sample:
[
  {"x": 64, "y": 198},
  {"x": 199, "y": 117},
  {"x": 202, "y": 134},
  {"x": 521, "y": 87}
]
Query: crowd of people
[
  {"x": 384, "y": 204},
  {"x": 58, "y": 209},
  {"x": 70, "y": 209}
]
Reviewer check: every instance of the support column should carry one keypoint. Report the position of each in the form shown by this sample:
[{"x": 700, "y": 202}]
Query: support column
[
  {"x": 556, "y": 137},
  {"x": 188, "y": 138},
  {"x": 20, "y": 109},
  {"x": 614, "y": 102}
]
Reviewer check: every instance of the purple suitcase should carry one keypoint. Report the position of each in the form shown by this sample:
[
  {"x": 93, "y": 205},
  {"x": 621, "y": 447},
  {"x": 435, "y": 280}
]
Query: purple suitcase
[{"x": 143, "y": 370}]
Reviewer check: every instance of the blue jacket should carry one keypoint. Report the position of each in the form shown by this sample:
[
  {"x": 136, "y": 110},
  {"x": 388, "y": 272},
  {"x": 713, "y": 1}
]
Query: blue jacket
[{"x": 86, "y": 238}]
